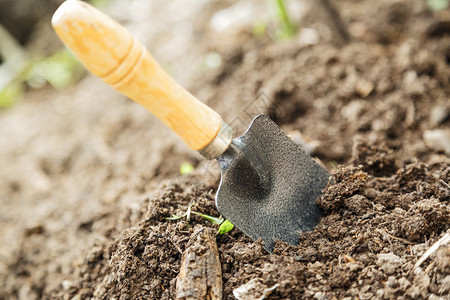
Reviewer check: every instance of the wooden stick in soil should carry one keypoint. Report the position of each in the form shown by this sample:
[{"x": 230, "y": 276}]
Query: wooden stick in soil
[{"x": 200, "y": 274}]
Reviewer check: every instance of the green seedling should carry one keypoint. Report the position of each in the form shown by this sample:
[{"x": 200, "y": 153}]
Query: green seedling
[
  {"x": 187, "y": 214},
  {"x": 225, "y": 225},
  {"x": 213, "y": 220},
  {"x": 288, "y": 29},
  {"x": 186, "y": 168}
]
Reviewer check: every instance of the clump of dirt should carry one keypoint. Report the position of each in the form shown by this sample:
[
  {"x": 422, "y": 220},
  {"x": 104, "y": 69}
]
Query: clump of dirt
[
  {"x": 145, "y": 260},
  {"x": 374, "y": 159}
]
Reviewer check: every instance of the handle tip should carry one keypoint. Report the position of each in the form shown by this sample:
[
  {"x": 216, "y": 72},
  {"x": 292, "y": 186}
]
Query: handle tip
[
  {"x": 65, "y": 11},
  {"x": 109, "y": 51},
  {"x": 96, "y": 40}
]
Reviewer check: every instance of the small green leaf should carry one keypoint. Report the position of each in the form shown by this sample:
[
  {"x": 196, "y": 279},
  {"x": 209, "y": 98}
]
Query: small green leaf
[
  {"x": 186, "y": 168},
  {"x": 213, "y": 220},
  {"x": 225, "y": 227}
]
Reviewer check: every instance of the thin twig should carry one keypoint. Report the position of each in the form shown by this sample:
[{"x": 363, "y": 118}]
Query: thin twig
[
  {"x": 398, "y": 238},
  {"x": 444, "y": 183},
  {"x": 348, "y": 258},
  {"x": 401, "y": 239},
  {"x": 443, "y": 241},
  {"x": 286, "y": 249}
]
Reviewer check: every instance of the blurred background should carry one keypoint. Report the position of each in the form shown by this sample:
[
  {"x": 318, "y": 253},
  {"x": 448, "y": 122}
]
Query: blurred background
[{"x": 32, "y": 57}]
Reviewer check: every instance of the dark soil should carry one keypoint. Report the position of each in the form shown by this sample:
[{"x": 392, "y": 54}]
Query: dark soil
[
  {"x": 366, "y": 244},
  {"x": 361, "y": 107}
]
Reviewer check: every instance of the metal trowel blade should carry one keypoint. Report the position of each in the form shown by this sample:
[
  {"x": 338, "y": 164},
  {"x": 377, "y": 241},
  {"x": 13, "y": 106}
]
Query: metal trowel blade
[{"x": 269, "y": 185}]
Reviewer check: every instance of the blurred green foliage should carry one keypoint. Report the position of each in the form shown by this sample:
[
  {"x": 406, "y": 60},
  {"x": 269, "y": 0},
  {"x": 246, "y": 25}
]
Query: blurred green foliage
[
  {"x": 437, "y": 5},
  {"x": 279, "y": 27},
  {"x": 10, "y": 93},
  {"x": 60, "y": 70},
  {"x": 288, "y": 29},
  {"x": 259, "y": 29}
]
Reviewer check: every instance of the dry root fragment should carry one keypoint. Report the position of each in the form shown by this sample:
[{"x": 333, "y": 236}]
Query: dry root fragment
[
  {"x": 253, "y": 290},
  {"x": 200, "y": 274},
  {"x": 443, "y": 241},
  {"x": 348, "y": 258}
]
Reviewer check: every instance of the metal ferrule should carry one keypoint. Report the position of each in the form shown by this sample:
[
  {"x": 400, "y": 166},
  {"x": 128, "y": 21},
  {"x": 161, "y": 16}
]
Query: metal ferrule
[{"x": 219, "y": 144}]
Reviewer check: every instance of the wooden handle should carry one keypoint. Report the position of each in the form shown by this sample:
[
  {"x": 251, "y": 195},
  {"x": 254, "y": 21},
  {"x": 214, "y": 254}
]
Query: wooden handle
[{"x": 109, "y": 51}]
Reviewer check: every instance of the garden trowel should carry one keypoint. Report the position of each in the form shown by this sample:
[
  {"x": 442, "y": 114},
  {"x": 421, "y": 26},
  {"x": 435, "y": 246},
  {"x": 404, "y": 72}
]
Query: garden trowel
[{"x": 269, "y": 184}]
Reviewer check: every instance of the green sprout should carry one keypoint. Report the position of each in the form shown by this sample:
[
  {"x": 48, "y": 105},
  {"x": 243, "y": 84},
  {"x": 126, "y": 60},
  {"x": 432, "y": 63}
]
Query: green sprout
[
  {"x": 187, "y": 214},
  {"x": 288, "y": 29},
  {"x": 278, "y": 27},
  {"x": 186, "y": 168},
  {"x": 225, "y": 225}
]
